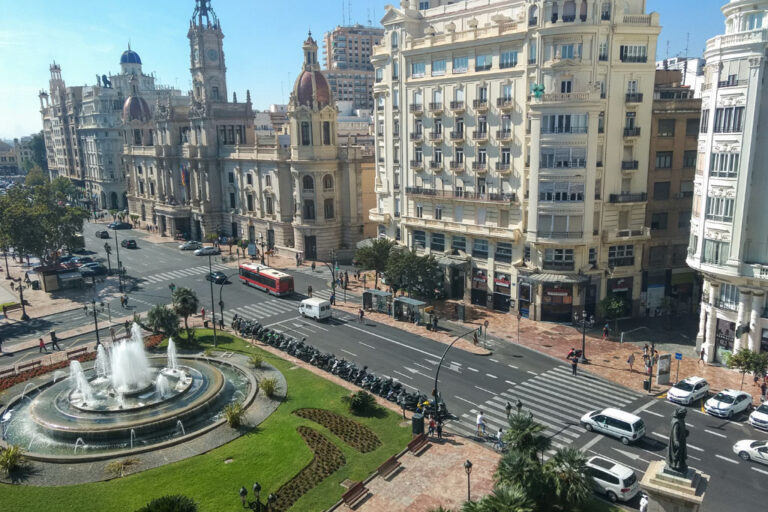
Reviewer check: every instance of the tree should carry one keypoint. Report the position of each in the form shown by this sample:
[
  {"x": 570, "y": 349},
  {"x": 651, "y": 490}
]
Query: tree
[
  {"x": 36, "y": 177},
  {"x": 163, "y": 319},
  {"x": 185, "y": 303},
  {"x": 374, "y": 257},
  {"x": 569, "y": 478},
  {"x": 38, "y": 151},
  {"x": 504, "y": 498},
  {"x": 746, "y": 361},
  {"x": 527, "y": 435},
  {"x": 418, "y": 275},
  {"x": 611, "y": 308}
]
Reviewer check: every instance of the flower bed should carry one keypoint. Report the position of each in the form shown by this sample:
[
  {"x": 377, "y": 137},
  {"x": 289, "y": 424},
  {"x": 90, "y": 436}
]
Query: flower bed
[
  {"x": 356, "y": 435},
  {"x": 328, "y": 458}
]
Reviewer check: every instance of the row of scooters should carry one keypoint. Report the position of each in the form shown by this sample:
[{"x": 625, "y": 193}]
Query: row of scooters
[{"x": 385, "y": 387}]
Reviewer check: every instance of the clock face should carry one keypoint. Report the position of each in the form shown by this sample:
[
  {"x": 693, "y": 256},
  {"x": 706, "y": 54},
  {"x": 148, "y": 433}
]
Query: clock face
[{"x": 213, "y": 55}]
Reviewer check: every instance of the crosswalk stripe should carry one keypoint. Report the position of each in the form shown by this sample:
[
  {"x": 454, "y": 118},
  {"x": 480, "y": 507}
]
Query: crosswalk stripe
[
  {"x": 600, "y": 391},
  {"x": 493, "y": 426},
  {"x": 556, "y": 424},
  {"x": 589, "y": 380},
  {"x": 259, "y": 311},
  {"x": 551, "y": 397},
  {"x": 573, "y": 393},
  {"x": 546, "y": 408}
]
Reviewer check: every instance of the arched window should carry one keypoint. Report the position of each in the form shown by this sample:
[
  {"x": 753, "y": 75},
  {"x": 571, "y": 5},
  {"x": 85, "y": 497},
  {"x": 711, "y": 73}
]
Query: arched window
[
  {"x": 533, "y": 15},
  {"x": 326, "y": 133},
  {"x": 394, "y": 39},
  {"x": 569, "y": 11},
  {"x": 306, "y": 134},
  {"x": 308, "y": 183},
  {"x": 309, "y": 209},
  {"x": 554, "y": 13},
  {"x": 328, "y": 182},
  {"x": 605, "y": 11},
  {"x": 583, "y": 12}
]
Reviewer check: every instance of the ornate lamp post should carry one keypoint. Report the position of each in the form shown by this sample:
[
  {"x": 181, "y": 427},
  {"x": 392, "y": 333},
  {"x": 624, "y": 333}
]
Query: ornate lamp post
[{"x": 468, "y": 469}]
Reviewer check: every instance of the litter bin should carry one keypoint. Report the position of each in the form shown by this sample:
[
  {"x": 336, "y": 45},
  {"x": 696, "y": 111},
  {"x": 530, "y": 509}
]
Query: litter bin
[
  {"x": 647, "y": 385},
  {"x": 417, "y": 424},
  {"x": 35, "y": 285},
  {"x": 205, "y": 324}
]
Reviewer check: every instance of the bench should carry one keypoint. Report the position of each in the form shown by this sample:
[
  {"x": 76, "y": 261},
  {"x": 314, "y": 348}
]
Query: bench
[
  {"x": 8, "y": 372},
  {"x": 354, "y": 494},
  {"x": 73, "y": 354},
  {"x": 388, "y": 467},
  {"x": 33, "y": 364},
  {"x": 417, "y": 443},
  {"x": 12, "y": 307}
]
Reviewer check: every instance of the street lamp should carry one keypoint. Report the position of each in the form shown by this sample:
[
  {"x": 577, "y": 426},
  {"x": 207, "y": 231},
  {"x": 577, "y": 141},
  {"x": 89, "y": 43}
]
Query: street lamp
[
  {"x": 271, "y": 501},
  {"x": 119, "y": 265},
  {"x": 7, "y": 272},
  {"x": 24, "y": 315},
  {"x": 221, "y": 289},
  {"x": 468, "y": 469},
  {"x": 108, "y": 250},
  {"x": 213, "y": 304},
  {"x": 96, "y": 320},
  {"x": 435, "y": 393},
  {"x": 583, "y": 336},
  {"x": 261, "y": 242}
]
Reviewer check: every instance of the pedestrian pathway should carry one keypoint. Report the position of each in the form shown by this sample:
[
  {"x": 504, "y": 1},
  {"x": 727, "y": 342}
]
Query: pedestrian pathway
[
  {"x": 320, "y": 272},
  {"x": 186, "y": 272},
  {"x": 555, "y": 398}
]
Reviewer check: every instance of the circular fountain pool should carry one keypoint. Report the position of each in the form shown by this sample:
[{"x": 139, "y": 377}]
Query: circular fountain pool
[{"x": 126, "y": 401}]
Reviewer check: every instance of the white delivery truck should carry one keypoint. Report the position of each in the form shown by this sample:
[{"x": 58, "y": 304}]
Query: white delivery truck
[{"x": 319, "y": 309}]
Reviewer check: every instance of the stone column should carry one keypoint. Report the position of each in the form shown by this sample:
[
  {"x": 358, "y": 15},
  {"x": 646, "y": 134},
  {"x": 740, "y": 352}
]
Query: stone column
[
  {"x": 701, "y": 334},
  {"x": 745, "y": 300},
  {"x": 755, "y": 333},
  {"x": 709, "y": 338}
]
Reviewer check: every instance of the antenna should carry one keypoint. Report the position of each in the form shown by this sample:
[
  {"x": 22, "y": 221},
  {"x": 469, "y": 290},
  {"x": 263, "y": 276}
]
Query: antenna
[
  {"x": 349, "y": 11},
  {"x": 685, "y": 64},
  {"x": 370, "y": 23},
  {"x": 667, "y": 49},
  {"x": 343, "y": 15}
]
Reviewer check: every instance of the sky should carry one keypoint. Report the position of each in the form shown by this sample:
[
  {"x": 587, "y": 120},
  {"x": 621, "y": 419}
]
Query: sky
[{"x": 262, "y": 42}]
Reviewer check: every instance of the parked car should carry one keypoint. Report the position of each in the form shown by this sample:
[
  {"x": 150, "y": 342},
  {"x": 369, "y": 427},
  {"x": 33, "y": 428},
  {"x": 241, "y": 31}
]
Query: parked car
[
  {"x": 102, "y": 233},
  {"x": 190, "y": 246},
  {"x": 82, "y": 260},
  {"x": 615, "y": 422},
  {"x": 205, "y": 251},
  {"x": 67, "y": 259},
  {"x": 93, "y": 269},
  {"x": 728, "y": 403},
  {"x": 217, "y": 277},
  {"x": 759, "y": 417},
  {"x": 688, "y": 391},
  {"x": 752, "y": 450},
  {"x": 119, "y": 225},
  {"x": 617, "y": 482},
  {"x": 316, "y": 308},
  {"x": 129, "y": 244}
]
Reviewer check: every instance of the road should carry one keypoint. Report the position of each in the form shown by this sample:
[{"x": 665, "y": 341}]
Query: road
[{"x": 468, "y": 383}]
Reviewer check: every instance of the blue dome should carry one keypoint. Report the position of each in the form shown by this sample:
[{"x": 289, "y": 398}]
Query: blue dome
[{"x": 130, "y": 57}]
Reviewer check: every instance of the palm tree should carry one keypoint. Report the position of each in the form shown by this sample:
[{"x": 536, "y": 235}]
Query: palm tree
[
  {"x": 163, "y": 319},
  {"x": 185, "y": 303},
  {"x": 375, "y": 256},
  {"x": 524, "y": 435},
  {"x": 504, "y": 498},
  {"x": 569, "y": 479}
]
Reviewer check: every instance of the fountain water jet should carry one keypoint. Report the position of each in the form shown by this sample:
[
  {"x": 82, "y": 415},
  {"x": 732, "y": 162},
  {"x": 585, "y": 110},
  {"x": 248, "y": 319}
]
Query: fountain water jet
[
  {"x": 24, "y": 393},
  {"x": 173, "y": 363},
  {"x": 162, "y": 387},
  {"x": 79, "y": 442},
  {"x": 180, "y": 426},
  {"x": 133, "y": 437},
  {"x": 129, "y": 364},
  {"x": 102, "y": 362},
  {"x": 79, "y": 382},
  {"x": 58, "y": 374}
]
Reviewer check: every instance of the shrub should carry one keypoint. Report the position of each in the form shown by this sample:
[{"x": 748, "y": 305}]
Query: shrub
[
  {"x": 118, "y": 468},
  {"x": 234, "y": 413},
  {"x": 256, "y": 360},
  {"x": 360, "y": 403},
  {"x": 12, "y": 459},
  {"x": 269, "y": 386},
  {"x": 170, "y": 503}
]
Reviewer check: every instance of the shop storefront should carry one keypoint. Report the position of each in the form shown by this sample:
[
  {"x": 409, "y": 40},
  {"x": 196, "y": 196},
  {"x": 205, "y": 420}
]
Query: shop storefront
[
  {"x": 622, "y": 288},
  {"x": 682, "y": 290},
  {"x": 479, "y": 294},
  {"x": 502, "y": 292},
  {"x": 556, "y": 302},
  {"x": 725, "y": 334}
]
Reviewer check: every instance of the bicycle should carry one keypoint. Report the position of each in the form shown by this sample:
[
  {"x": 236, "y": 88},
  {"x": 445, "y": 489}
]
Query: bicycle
[{"x": 500, "y": 446}]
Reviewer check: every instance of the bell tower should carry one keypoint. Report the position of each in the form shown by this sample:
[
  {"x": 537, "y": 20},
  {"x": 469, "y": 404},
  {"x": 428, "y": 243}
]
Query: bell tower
[{"x": 207, "y": 67}]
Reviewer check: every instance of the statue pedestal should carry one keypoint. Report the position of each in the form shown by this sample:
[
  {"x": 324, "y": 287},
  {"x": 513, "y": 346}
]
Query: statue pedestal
[{"x": 669, "y": 491}]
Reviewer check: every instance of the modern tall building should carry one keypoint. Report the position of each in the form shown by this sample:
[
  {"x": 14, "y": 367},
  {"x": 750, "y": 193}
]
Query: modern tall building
[
  {"x": 669, "y": 284},
  {"x": 729, "y": 227},
  {"x": 348, "y": 63},
  {"x": 501, "y": 128}
]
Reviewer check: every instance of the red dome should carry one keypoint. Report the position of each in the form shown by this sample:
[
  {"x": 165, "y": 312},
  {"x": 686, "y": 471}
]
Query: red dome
[
  {"x": 310, "y": 84},
  {"x": 136, "y": 108}
]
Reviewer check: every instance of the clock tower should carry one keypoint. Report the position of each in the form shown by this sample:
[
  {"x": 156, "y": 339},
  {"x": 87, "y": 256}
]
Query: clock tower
[{"x": 207, "y": 67}]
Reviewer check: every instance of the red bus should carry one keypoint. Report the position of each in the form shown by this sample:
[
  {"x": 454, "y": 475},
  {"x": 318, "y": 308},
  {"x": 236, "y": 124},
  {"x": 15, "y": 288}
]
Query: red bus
[{"x": 266, "y": 279}]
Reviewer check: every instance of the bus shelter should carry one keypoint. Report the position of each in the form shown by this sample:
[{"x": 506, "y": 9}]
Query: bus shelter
[
  {"x": 378, "y": 301},
  {"x": 409, "y": 310}
]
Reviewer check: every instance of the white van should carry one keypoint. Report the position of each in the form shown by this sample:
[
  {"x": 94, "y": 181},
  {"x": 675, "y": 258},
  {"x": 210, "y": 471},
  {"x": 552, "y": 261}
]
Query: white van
[
  {"x": 319, "y": 309},
  {"x": 614, "y": 422},
  {"x": 617, "y": 482}
]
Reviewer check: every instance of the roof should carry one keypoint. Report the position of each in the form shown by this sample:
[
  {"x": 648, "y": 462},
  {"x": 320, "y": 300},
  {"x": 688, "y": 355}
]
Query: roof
[
  {"x": 694, "y": 379},
  {"x": 264, "y": 270},
  {"x": 410, "y": 301},
  {"x": 136, "y": 108},
  {"x": 621, "y": 415},
  {"x": 378, "y": 293},
  {"x": 316, "y": 301},
  {"x": 546, "y": 277},
  {"x": 130, "y": 57},
  {"x": 611, "y": 466},
  {"x": 311, "y": 85},
  {"x": 733, "y": 392}
]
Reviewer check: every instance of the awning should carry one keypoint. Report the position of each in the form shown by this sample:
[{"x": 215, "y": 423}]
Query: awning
[
  {"x": 545, "y": 277},
  {"x": 683, "y": 278},
  {"x": 451, "y": 262},
  {"x": 410, "y": 301},
  {"x": 70, "y": 276},
  {"x": 378, "y": 293}
]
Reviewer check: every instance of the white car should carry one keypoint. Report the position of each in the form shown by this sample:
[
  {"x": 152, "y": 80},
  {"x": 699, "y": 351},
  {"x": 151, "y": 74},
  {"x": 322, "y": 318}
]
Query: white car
[
  {"x": 688, "y": 391},
  {"x": 617, "y": 482},
  {"x": 616, "y": 423},
  {"x": 752, "y": 450},
  {"x": 205, "y": 251},
  {"x": 759, "y": 417},
  {"x": 190, "y": 246},
  {"x": 728, "y": 403}
]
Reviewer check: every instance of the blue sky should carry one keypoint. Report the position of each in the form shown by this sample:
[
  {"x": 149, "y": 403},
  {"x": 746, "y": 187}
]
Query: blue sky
[{"x": 262, "y": 43}]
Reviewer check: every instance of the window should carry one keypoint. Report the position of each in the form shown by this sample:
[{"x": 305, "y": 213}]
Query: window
[
  {"x": 686, "y": 188},
  {"x": 249, "y": 201},
  {"x": 503, "y": 252},
  {"x": 459, "y": 243},
  {"x": 570, "y": 51},
  {"x": 663, "y": 159},
  {"x": 419, "y": 211},
  {"x": 437, "y": 242},
  {"x": 438, "y": 124},
  {"x": 508, "y": 59},
  {"x": 728, "y": 120},
  {"x": 397, "y": 207},
  {"x": 689, "y": 159},
  {"x": 267, "y": 180},
  {"x": 482, "y": 156},
  {"x": 268, "y": 204},
  {"x": 249, "y": 179},
  {"x": 560, "y": 191},
  {"x": 328, "y": 182},
  {"x": 684, "y": 219},
  {"x": 460, "y": 64},
  {"x": 691, "y": 127},
  {"x": 418, "y": 69},
  {"x": 458, "y": 155},
  {"x": 593, "y": 255},
  {"x": 379, "y": 74},
  {"x": 231, "y": 177},
  {"x": 666, "y": 127},
  {"x": 603, "y": 51},
  {"x": 659, "y": 221},
  {"x": 753, "y": 21},
  {"x": 395, "y": 70},
  {"x": 328, "y": 208},
  {"x": 215, "y": 92},
  {"x": 566, "y": 86},
  {"x": 561, "y": 226},
  {"x": 657, "y": 255},
  {"x": 724, "y": 165},
  {"x": 558, "y": 258},
  {"x": 327, "y": 133},
  {"x": 715, "y": 252},
  {"x": 633, "y": 53},
  {"x": 629, "y": 120},
  {"x": 532, "y": 52},
  {"x": 419, "y": 239},
  {"x": 394, "y": 40},
  {"x": 720, "y": 209},
  {"x": 306, "y": 135},
  {"x": 705, "y": 120},
  {"x": 480, "y": 248},
  {"x": 506, "y": 156},
  {"x": 438, "y": 156},
  {"x": 458, "y": 212},
  {"x": 563, "y": 157},
  {"x": 483, "y": 62},
  {"x": 661, "y": 190},
  {"x": 564, "y": 123},
  {"x": 309, "y": 209},
  {"x": 423, "y": 5},
  {"x": 308, "y": 183},
  {"x": 231, "y": 199},
  {"x": 438, "y": 212},
  {"x": 621, "y": 255},
  {"x": 438, "y": 67}
]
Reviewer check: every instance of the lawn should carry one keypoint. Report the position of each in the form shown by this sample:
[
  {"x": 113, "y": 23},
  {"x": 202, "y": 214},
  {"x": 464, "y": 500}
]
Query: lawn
[{"x": 270, "y": 454}]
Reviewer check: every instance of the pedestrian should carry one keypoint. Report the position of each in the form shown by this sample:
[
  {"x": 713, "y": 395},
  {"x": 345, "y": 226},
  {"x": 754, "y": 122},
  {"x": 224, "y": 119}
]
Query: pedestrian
[
  {"x": 85, "y": 309},
  {"x": 202, "y": 313},
  {"x": 605, "y": 332},
  {"x": 434, "y": 323},
  {"x": 574, "y": 365},
  {"x": 763, "y": 386},
  {"x": 297, "y": 259},
  {"x": 519, "y": 406},
  {"x": 432, "y": 426},
  {"x": 112, "y": 333},
  {"x": 480, "y": 424},
  {"x": 439, "y": 429},
  {"x": 645, "y": 350},
  {"x": 509, "y": 409},
  {"x": 309, "y": 291},
  {"x": 127, "y": 328},
  {"x": 499, "y": 445},
  {"x": 125, "y": 300},
  {"x": 333, "y": 298},
  {"x": 54, "y": 341},
  {"x": 702, "y": 354},
  {"x": 42, "y": 346},
  {"x": 313, "y": 266},
  {"x": 221, "y": 322},
  {"x": 631, "y": 361},
  {"x": 362, "y": 314}
]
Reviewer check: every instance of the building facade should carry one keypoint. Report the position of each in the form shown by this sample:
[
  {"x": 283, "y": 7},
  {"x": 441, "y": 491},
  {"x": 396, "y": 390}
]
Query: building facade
[
  {"x": 501, "y": 131},
  {"x": 348, "y": 63},
  {"x": 669, "y": 284},
  {"x": 729, "y": 227},
  {"x": 690, "y": 68},
  {"x": 10, "y": 161},
  {"x": 197, "y": 166}
]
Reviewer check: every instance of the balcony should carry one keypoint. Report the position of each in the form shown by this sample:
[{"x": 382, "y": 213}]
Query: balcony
[
  {"x": 634, "y": 59},
  {"x": 625, "y": 235},
  {"x": 731, "y": 83},
  {"x": 632, "y": 132},
  {"x": 436, "y": 166},
  {"x": 434, "y": 136},
  {"x": 480, "y": 105},
  {"x": 559, "y": 129},
  {"x": 561, "y": 235},
  {"x": 457, "y": 106},
  {"x": 627, "y": 261},
  {"x": 436, "y": 107},
  {"x": 504, "y": 135},
  {"x": 639, "y": 197},
  {"x": 503, "y": 167},
  {"x": 457, "y": 166},
  {"x": 629, "y": 165},
  {"x": 417, "y": 137},
  {"x": 461, "y": 195},
  {"x": 480, "y": 135},
  {"x": 457, "y": 136},
  {"x": 417, "y": 165},
  {"x": 737, "y": 39},
  {"x": 558, "y": 265},
  {"x": 416, "y": 109},
  {"x": 505, "y": 104},
  {"x": 634, "y": 97},
  {"x": 722, "y": 304},
  {"x": 480, "y": 167}
]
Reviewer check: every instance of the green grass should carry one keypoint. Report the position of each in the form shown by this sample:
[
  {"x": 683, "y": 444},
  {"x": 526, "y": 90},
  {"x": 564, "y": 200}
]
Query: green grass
[{"x": 270, "y": 454}]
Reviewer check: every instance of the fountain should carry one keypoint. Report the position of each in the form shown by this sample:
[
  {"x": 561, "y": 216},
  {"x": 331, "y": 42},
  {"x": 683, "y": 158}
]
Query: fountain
[
  {"x": 180, "y": 426},
  {"x": 79, "y": 382},
  {"x": 161, "y": 386},
  {"x": 129, "y": 366},
  {"x": 102, "y": 362},
  {"x": 173, "y": 363}
]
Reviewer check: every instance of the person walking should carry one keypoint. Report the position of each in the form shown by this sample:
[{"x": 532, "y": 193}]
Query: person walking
[
  {"x": 362, "y": 314},
  {"x": 499, "y": 444},
  {"x": 85, "y": 309},
  {"x": 645, "y": 350},
  {"x": 574, "y": 364},
  {"x": 42, "y": 346},
  {"x": 434, "y": 323},
  {"x": 702, "y": 355},
  {"x": 509, "y": 409},
  {"x": 297, "y": 259},
  {"x": 202, "y": 313},
  {"x": 571, "y": 353},
  {"x": 54, "y": 341},
  {"x": 112, "y": 333},
  {"x": 127, "y": 328},
  {"x": 309, "y": 291},
  {"x": 631, "y": 361},
  {"x": 480, "y": 424},
  {"x": 439, "y": 429},
  {"x": 605, "y": 332},
  {"x": 519, "y": 406},
  {"x": 333, "y": 298},
  {"x": 432, "y": 426}
]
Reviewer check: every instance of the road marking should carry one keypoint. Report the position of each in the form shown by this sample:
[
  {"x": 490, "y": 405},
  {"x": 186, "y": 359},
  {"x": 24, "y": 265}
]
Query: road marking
[
  {"x": 760, "y": 471},
  {"x": 592, "y": 443},
  {"x": 391, "y": 340},
  {"x": 483, "y": 389},
  {"x": 402, "y": 374},
  {"x": 422, "y": 366},
  {"x": 629, "y": 455},
  {"x": 621, "y": 463},
  {"x": 532, "y": 373},
  {"x": 655, "y": 414},
  {"x": 350, "y": 353},
  {"x": 509, "y": 382},
  {"x": 512, "y": 366},
  {"x": 725, "y": 458},
  {"x": 642, "y": 408},
  {"x": 491, "y": 376},
  {"x": 494, "y": 360},
  {"x": 470, "y": 368},
  {"x": 689, "y": 445},
  {"x": 715, "y": 433},
  {"x": 367, "y": 345},
  {"x": 464, "y": 399}
]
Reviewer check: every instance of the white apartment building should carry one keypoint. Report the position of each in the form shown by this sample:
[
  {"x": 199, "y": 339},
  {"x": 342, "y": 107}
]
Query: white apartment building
[
  {"x": 729, "y": 226},
  {"x": 503, "y": 128}
]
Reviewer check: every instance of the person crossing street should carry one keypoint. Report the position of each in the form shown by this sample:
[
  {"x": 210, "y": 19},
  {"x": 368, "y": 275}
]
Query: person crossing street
[{"x": 574, "y": 364}]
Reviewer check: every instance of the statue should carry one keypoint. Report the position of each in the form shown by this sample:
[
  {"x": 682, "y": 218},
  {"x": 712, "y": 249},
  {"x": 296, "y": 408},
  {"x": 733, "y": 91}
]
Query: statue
[
  {"x": 107, "y": 82},
  {"x": 677, "y": 451}
]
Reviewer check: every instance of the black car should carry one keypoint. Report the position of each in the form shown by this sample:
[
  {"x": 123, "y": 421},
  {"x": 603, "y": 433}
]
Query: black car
[
  {"x": 119, "y": 225},
  {"x": 217, "y": 277},
  {"x": 93, "y": 269},
  {"x": 103, "y": 233},
  {"x": 128, "y": 244}
]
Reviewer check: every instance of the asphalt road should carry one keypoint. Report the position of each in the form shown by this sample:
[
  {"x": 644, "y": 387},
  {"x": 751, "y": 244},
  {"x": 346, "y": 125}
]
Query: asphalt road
[{"x": 468, "y": 383}]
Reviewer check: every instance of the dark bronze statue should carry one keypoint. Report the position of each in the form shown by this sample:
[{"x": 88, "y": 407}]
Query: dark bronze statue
[{"x": 677, "y": 450}]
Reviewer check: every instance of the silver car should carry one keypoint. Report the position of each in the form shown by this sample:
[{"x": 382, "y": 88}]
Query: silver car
[
  {"x": 190, "y": 246},
  {"x": 207, "y": 251}
]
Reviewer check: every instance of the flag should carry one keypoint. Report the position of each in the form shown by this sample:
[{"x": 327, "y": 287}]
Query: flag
[{"x": 184, "y": 176}]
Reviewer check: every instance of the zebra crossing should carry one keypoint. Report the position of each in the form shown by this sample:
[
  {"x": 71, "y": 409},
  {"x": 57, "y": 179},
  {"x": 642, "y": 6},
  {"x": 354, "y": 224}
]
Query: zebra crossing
[
  {"x": 262, "y": 310},
  {"x": 321, "y": 271},
  {"x": 186, "y": 272},
  {"x": 555, "y": 398}
]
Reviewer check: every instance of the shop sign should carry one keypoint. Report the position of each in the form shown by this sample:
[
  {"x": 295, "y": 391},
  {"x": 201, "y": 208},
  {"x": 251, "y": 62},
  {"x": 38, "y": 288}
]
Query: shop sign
[
  {"x": 502, "y": 280},
  {"x": 558, "y": 292},
  {"x": 620, "y": 285}
]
